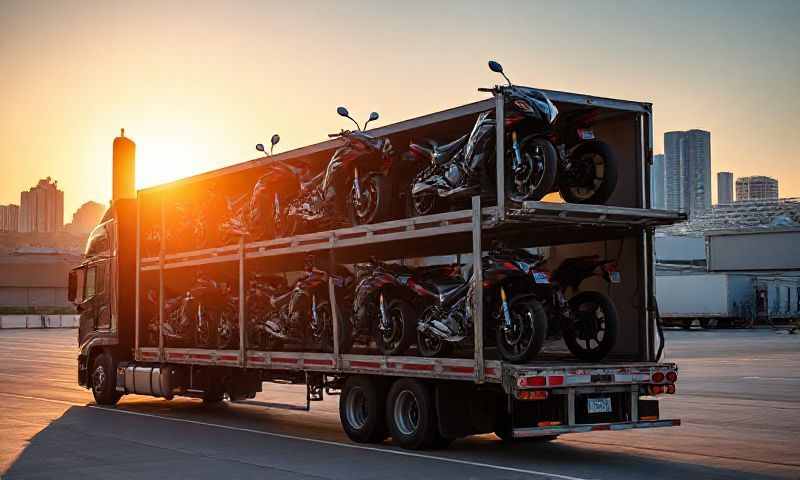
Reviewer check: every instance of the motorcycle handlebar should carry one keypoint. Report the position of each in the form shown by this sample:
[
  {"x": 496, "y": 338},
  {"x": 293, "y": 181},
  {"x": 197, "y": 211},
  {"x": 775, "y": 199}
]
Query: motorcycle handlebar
[{"x": 482, "y": 89}]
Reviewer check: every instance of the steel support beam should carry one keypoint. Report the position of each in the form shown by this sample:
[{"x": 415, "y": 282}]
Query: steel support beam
[
  {"x": 477, "y": 290},
  {"x": 500, "y": 152},
  {"x": 242, "y": 305},
  {"x": 161, "y": 254}
]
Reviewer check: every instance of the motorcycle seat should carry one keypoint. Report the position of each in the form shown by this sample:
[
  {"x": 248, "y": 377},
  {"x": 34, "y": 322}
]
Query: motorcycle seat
[
  {"x": 443, "y": 286},
  {"x": 440, "y": 153}
]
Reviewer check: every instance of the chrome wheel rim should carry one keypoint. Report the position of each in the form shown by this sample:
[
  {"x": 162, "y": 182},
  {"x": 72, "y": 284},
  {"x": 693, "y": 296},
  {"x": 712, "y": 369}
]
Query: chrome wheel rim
[
  {"x": 406, "y": 412},
  {"x": 99, "y": 379},
  {"x": 356, "y": 410}
]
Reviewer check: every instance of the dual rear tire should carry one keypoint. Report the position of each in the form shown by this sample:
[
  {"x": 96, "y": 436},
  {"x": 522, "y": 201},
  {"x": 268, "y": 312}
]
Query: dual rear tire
[{"x": 370, "y": 412}]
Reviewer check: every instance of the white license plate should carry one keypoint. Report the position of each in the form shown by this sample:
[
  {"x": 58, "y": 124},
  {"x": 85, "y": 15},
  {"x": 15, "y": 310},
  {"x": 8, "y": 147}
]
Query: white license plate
[
  {"x": 615, "y": 277},
  {"x": 598, "y": 405},
  {"x": 540, "y": 277}
]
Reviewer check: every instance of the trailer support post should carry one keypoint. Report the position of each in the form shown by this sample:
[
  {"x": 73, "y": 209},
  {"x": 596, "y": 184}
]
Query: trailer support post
[
  {"x": 161, "y": 284},
  {"x": 500, "y": 152},
  {"x": 337, "y": 354},
  {"x": 477, "y": 290},
  {"x": 137, "y": 307},
  {"x": 242, "y": 305}
]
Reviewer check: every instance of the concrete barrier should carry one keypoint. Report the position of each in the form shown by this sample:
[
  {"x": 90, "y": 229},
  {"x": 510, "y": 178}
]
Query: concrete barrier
[{"x": 39, "y": 321}]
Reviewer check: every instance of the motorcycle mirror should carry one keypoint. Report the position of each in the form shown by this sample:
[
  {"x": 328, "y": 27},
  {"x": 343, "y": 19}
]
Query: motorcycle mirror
[
  {"x": 343, "y": 112},
  {"x": 274, "y": 141},
  {"x": 372, "y": 116},
  {"x": 495, "y": 67},
  {"x": 260, "y": 147}
]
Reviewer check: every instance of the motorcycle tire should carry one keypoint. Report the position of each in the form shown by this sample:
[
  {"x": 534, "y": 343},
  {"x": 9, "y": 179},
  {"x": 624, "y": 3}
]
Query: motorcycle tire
[
  {"x": 406, "y": 321},
  {"x": 380, "y": 202},
  {"x": 547, "y": 178},
  {"x": 325, "y": 339},
  {"x": 604, "y": 185},
  {"x": 228, "y": 328},
  {"x": 519, "y": 347},
  {"x": 428, "y": 346},
  {"x": 574, "y": 332}
]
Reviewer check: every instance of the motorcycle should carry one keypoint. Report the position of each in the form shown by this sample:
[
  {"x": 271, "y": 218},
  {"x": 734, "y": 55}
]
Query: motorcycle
[
  {"x": 435, "y": 304},
  {"x": 587, "y": 321},
  {"x": 205, "y": 316},
  {"x": 303, "y": 314},
  {"x": 582, "y": 168},
  {"x": 251, "y": 214}
]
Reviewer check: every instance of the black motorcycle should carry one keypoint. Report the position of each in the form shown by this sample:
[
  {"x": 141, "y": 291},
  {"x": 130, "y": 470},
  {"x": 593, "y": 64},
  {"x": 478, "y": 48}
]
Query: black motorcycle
[
  {"x": 581, "y": 168},
  {"x": 435, "y": 304},
  {"x": 205, "y": 316},
  {"x": 588, "y": 320},
  {"x": 303, "y": 313}
]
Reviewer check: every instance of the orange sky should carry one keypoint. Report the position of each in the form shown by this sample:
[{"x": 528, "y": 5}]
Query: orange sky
[{"x": 196, "y": 85}]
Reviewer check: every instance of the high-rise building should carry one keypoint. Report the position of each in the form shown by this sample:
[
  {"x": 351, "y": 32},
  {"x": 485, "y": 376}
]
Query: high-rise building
[
  {"x": 756, "y": 188},
  {"x": 85, "y": 218},
  {"x": 657, "y": 175},
  {"x": 9, "y": 218},
  {"x": 687, "y": 166},
  {"x": 41, "y": 209},
  {"x": 724, "y": 188}
]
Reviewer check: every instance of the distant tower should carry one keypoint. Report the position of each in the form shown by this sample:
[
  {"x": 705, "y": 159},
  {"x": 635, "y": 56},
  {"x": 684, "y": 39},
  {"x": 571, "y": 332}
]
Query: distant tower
[
  {"x": 123, "y": 171},
  {"x": 687, "y": 164},
  {"x": 724, "y": 188},
  {"x": 657, "y": 176},
  {"x": 756, "y": 188}
]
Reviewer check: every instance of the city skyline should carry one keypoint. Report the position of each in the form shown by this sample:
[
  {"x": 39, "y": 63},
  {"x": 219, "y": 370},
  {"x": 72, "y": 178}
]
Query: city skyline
[{"x": 197, "y": 92}]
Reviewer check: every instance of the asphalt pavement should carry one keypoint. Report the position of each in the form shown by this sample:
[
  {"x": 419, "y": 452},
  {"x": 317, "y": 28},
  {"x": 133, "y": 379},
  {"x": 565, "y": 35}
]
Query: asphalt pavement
[{"x": 738, "y": 397}]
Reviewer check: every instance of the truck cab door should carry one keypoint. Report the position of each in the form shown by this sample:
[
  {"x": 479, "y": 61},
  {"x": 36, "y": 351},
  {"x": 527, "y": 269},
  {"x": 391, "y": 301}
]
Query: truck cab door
[{"x": 93, "y": 303}]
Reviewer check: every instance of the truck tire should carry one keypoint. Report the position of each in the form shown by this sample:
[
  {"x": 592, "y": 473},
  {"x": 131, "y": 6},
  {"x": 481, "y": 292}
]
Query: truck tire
[
  {"x": 362, "y": 409},
  {"x": 104, "y": 385},
  {"x": 411, "y": 414}
]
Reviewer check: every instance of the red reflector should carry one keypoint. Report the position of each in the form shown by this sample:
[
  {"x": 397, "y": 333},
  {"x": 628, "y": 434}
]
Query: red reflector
[
  {"x": 672, "y": 376},
  {"x": 601, "y": 427},
  {"x": 532, "y": 395},
  {"x": 537, "y": 381},
  {"x": 554, "y": 380},
  {"x": 655, "y": 389},
  {"x": 548, "y": 424},
  {"x": 658, "y": 377}
]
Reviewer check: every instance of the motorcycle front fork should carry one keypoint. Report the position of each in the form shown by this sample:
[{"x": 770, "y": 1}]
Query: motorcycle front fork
[
  {"x": 384, "y": 318},
  {"x": 507, "y": 324},
  {"x": 516, "y": 160}
]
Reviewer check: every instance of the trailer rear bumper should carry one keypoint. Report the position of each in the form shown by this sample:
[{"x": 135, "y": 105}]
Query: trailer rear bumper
[{"x": 561, "y": 429}]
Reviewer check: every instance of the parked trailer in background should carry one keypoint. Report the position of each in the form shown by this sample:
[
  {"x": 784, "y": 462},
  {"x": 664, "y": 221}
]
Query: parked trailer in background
[{"x": 137, "y": 260}]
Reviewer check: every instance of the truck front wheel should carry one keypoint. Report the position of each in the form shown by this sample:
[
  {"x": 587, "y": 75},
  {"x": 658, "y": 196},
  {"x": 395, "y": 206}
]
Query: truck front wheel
[
  {"x": 103, "y": 380},
  {"x": 361, "y": 409}
]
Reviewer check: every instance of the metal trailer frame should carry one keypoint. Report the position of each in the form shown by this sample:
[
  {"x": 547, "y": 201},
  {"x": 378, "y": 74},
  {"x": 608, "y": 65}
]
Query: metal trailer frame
[{"x": 474, "y": 222}]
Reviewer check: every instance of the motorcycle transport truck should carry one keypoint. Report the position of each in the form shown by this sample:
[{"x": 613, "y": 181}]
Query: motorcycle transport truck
[{"x": 494, "y": 312}]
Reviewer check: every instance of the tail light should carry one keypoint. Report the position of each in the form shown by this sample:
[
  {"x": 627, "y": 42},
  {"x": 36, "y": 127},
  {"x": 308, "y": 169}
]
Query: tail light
[
  {"x": 672, "y": 376},
  {"x": 658, "y": 377},
  {"x": 655, "y": 389},
  {"x": 533, "y": 395},
  {"x": 669, "y": 389},
  {"x": 537, "y": 381},
  {"x": 555, "y": 380},
  {"x": 548, "y": 424}
]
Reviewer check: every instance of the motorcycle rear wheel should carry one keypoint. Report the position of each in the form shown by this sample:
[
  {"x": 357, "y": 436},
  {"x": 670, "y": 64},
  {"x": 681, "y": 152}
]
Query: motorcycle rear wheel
[
  {"x": 594, "y": 323},
  {"x": 537, "y": 175},
  {"x": 528, "y": 331},
  {"x": 594, "y": 177}
]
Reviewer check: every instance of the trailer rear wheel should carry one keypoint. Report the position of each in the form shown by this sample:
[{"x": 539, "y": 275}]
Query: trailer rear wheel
[
  {"x": 361, "y": 409},
  {"x": 104, "y": 380},
  {"x": 411, "y": 414}
]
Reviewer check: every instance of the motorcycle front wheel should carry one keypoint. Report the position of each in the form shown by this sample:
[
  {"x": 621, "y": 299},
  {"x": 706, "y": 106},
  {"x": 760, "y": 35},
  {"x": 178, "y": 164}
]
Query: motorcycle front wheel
[
  {"x": 522, "y": 340},
  {"x": 535, "y": 175},
  {"x": 591, "y": 330},
  {"x": 401, "y": 331},
  {"x": 592, "y": 176},
  {"x": 374, "y": 203},
  {"x": 228, "y": 328}
]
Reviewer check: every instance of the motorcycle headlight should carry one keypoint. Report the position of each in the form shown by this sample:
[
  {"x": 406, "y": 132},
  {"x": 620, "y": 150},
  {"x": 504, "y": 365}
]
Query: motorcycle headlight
[{"x": 523, "y": 106}]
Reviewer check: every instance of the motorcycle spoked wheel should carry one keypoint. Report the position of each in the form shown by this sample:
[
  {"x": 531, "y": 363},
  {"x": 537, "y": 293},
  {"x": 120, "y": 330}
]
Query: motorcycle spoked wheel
[
  {"x": 322, "y": 334},
  {"x": 373, "y": 206},
  {"x": 536, "y": 177},
  {"x": 228, "y": 328},
  {"x": 592, "y": 331},
  {"x": 525, "y": 338},
  {"x": 401, "y": 333},
  {"x": 592, "y": 177}
]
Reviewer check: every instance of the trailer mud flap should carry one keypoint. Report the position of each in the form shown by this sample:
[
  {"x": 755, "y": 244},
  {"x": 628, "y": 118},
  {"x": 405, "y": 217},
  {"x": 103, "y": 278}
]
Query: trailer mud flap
[{"x": 456, "y": 402}]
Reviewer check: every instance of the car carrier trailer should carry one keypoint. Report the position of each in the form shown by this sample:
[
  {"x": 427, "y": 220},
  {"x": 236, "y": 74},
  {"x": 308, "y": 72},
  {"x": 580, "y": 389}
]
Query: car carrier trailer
[{"x": 425, "y": 402}]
